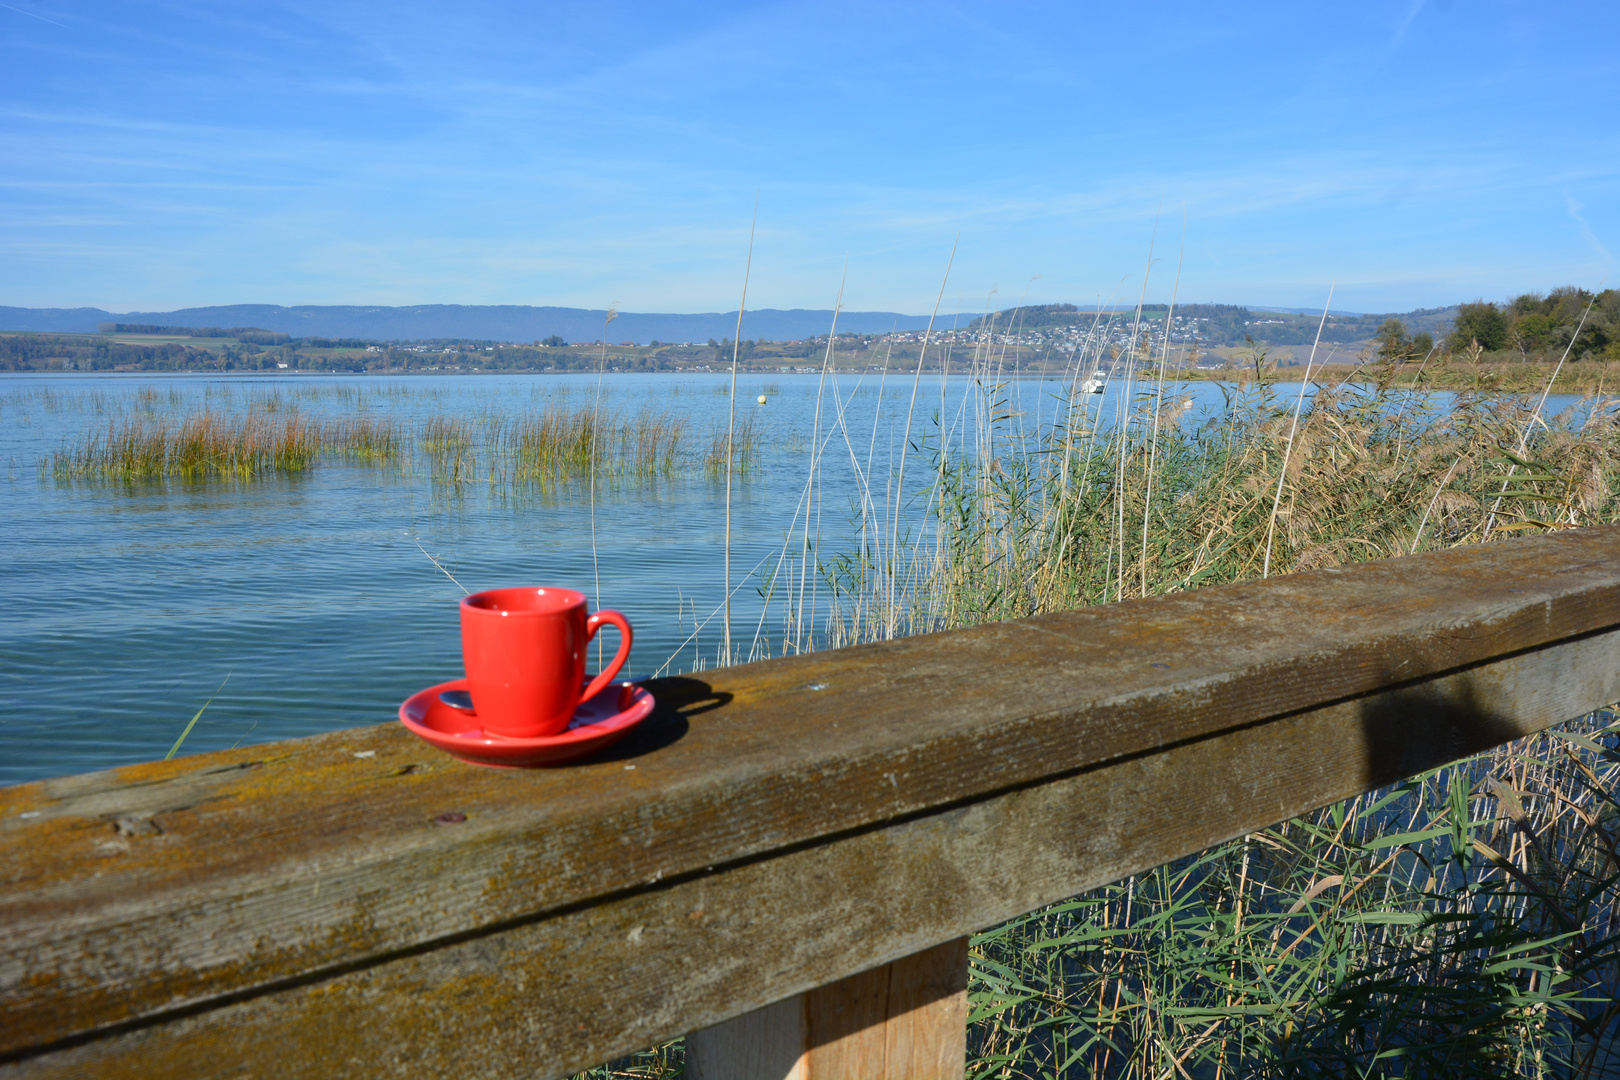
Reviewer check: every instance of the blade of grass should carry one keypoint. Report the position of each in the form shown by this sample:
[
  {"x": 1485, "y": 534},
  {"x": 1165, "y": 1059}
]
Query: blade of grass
[{"x": 176, "y": 747}]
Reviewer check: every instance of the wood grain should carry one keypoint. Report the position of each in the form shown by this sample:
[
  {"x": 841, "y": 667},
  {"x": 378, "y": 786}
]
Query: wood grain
[
  {"x": 248, "y": 905},
  {"x": 924, "y": 1030},
  {"x": 548, "y": 998},
  {"x": 765, "y": 1044},
  {"x": 905, "y": 1020}
]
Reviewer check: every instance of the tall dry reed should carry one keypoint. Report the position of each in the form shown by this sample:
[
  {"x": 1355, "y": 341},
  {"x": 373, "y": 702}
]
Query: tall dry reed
[
  {"x": 1460, "y": 923},
  {"x": 1022, "y": 523}
]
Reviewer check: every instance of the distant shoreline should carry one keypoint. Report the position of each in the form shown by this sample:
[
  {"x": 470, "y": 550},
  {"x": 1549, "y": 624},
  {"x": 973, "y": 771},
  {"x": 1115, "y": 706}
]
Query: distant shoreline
[{"x": 1526, "y": 377}]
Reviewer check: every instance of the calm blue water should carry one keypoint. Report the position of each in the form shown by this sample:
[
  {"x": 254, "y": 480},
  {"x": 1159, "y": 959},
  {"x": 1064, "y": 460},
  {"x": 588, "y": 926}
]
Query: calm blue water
[{"x": 309, "y": 599}]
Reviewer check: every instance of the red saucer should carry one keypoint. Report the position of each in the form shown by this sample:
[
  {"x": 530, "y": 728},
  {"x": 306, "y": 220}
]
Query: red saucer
[{"x": 599, "y": 722}]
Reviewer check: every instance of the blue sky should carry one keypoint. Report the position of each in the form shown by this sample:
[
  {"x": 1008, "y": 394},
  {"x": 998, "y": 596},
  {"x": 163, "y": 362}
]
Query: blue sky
[{"x": 160, "y": 155}]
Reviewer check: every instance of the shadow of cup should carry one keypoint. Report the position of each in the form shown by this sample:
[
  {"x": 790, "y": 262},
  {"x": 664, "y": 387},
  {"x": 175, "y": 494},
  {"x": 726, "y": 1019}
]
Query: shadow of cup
[{"x": 678, "y": 698}]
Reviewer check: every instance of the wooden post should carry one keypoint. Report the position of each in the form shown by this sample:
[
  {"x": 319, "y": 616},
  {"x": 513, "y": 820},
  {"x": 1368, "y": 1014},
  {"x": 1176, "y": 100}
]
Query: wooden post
[{"x": 903, "y": 1021}]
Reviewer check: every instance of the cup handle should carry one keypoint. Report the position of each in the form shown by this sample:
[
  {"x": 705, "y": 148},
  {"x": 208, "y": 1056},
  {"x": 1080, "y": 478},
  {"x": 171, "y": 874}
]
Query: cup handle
[{"x": 592, "y": 625}]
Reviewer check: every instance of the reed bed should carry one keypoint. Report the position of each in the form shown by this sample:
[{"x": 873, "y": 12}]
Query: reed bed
[
  {"x": 744, "y": 448},
  {"x": 203, "y": 446},
  {"x": 510, "y": 453},
  {"x": 538, "y": 451},
  {"x": 1458, "y": 924},
  {"x": 1461, "y": 923},
  {"x": 367, "y": 437},
  {"x": 1095, "y": 509},
  {"x": 555, "y": 445},
  {"x": 450, "y": 445},
  {"x": 1596, "y": 375}
]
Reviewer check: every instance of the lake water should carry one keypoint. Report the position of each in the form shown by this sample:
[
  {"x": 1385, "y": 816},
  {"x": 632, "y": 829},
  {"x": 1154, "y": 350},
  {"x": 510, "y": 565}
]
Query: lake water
[{"x": 303, "y": 603}]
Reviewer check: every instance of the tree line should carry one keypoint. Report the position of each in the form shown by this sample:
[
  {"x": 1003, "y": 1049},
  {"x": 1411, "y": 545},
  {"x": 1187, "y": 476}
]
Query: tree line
[
  {"x": 1567, "y": 322},
  {"x": 251, "y": 335},
  {"x": 1531, "y": 326},
  {"x": 46, "y": 352}
]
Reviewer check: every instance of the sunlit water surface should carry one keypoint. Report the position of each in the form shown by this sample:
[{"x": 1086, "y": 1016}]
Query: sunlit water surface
[{"x": 301, "y": 604}]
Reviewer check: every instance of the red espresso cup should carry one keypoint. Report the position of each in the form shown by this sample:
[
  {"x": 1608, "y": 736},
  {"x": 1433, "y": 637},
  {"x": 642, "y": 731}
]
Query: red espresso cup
[{"x": 524, "y": 650}]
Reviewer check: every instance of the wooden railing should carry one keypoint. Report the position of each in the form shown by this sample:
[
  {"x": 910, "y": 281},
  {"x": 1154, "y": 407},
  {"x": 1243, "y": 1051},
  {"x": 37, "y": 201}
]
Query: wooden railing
[{"x": 784, "y": 860}]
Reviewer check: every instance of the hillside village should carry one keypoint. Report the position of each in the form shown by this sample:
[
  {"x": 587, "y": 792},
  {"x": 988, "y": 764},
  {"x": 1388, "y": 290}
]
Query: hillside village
[{"x": 1194, "y": 339}]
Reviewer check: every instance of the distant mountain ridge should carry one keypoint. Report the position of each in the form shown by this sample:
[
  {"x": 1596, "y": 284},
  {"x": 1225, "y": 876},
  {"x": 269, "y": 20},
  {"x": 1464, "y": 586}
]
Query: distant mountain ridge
[{"x": 502, "y": 322}]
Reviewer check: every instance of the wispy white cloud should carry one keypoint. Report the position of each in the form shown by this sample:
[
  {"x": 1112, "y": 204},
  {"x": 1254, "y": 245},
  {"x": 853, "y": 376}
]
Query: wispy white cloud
[
  {"x": 35, "y": 15},
  {"x": 1406, "y": 23},
  {"x": 1587, "y": 234},
  {"x": 309, "y": 151}
]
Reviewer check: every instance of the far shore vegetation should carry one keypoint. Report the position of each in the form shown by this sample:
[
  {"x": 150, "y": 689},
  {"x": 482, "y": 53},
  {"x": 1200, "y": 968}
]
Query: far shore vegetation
[{"x": 1509, "y": 342}]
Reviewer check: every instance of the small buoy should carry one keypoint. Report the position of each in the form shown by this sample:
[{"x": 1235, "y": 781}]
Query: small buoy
[{"x": 762, "y": 399}]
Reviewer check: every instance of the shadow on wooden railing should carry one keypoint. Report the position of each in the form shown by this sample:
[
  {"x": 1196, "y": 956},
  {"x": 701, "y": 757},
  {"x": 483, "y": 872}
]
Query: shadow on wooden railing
[{"x": 784, "y": 861}]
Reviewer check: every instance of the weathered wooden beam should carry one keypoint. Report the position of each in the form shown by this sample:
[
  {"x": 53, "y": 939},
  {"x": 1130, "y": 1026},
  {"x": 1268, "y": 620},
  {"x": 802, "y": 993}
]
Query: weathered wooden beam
[
  {"x": 549, "y": 996},
  {"x": 777, "y": 827}
]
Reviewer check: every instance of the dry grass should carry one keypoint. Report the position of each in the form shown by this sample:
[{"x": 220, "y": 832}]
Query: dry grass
[
  {"x": 1030, "y": 522},
  {"x": 1462, "y": 923},
  {"x": 1597, "y": 375}
]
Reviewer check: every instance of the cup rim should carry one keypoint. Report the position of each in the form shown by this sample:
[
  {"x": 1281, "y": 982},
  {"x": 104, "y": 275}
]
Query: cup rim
[{"x": 536, "y": 601}]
